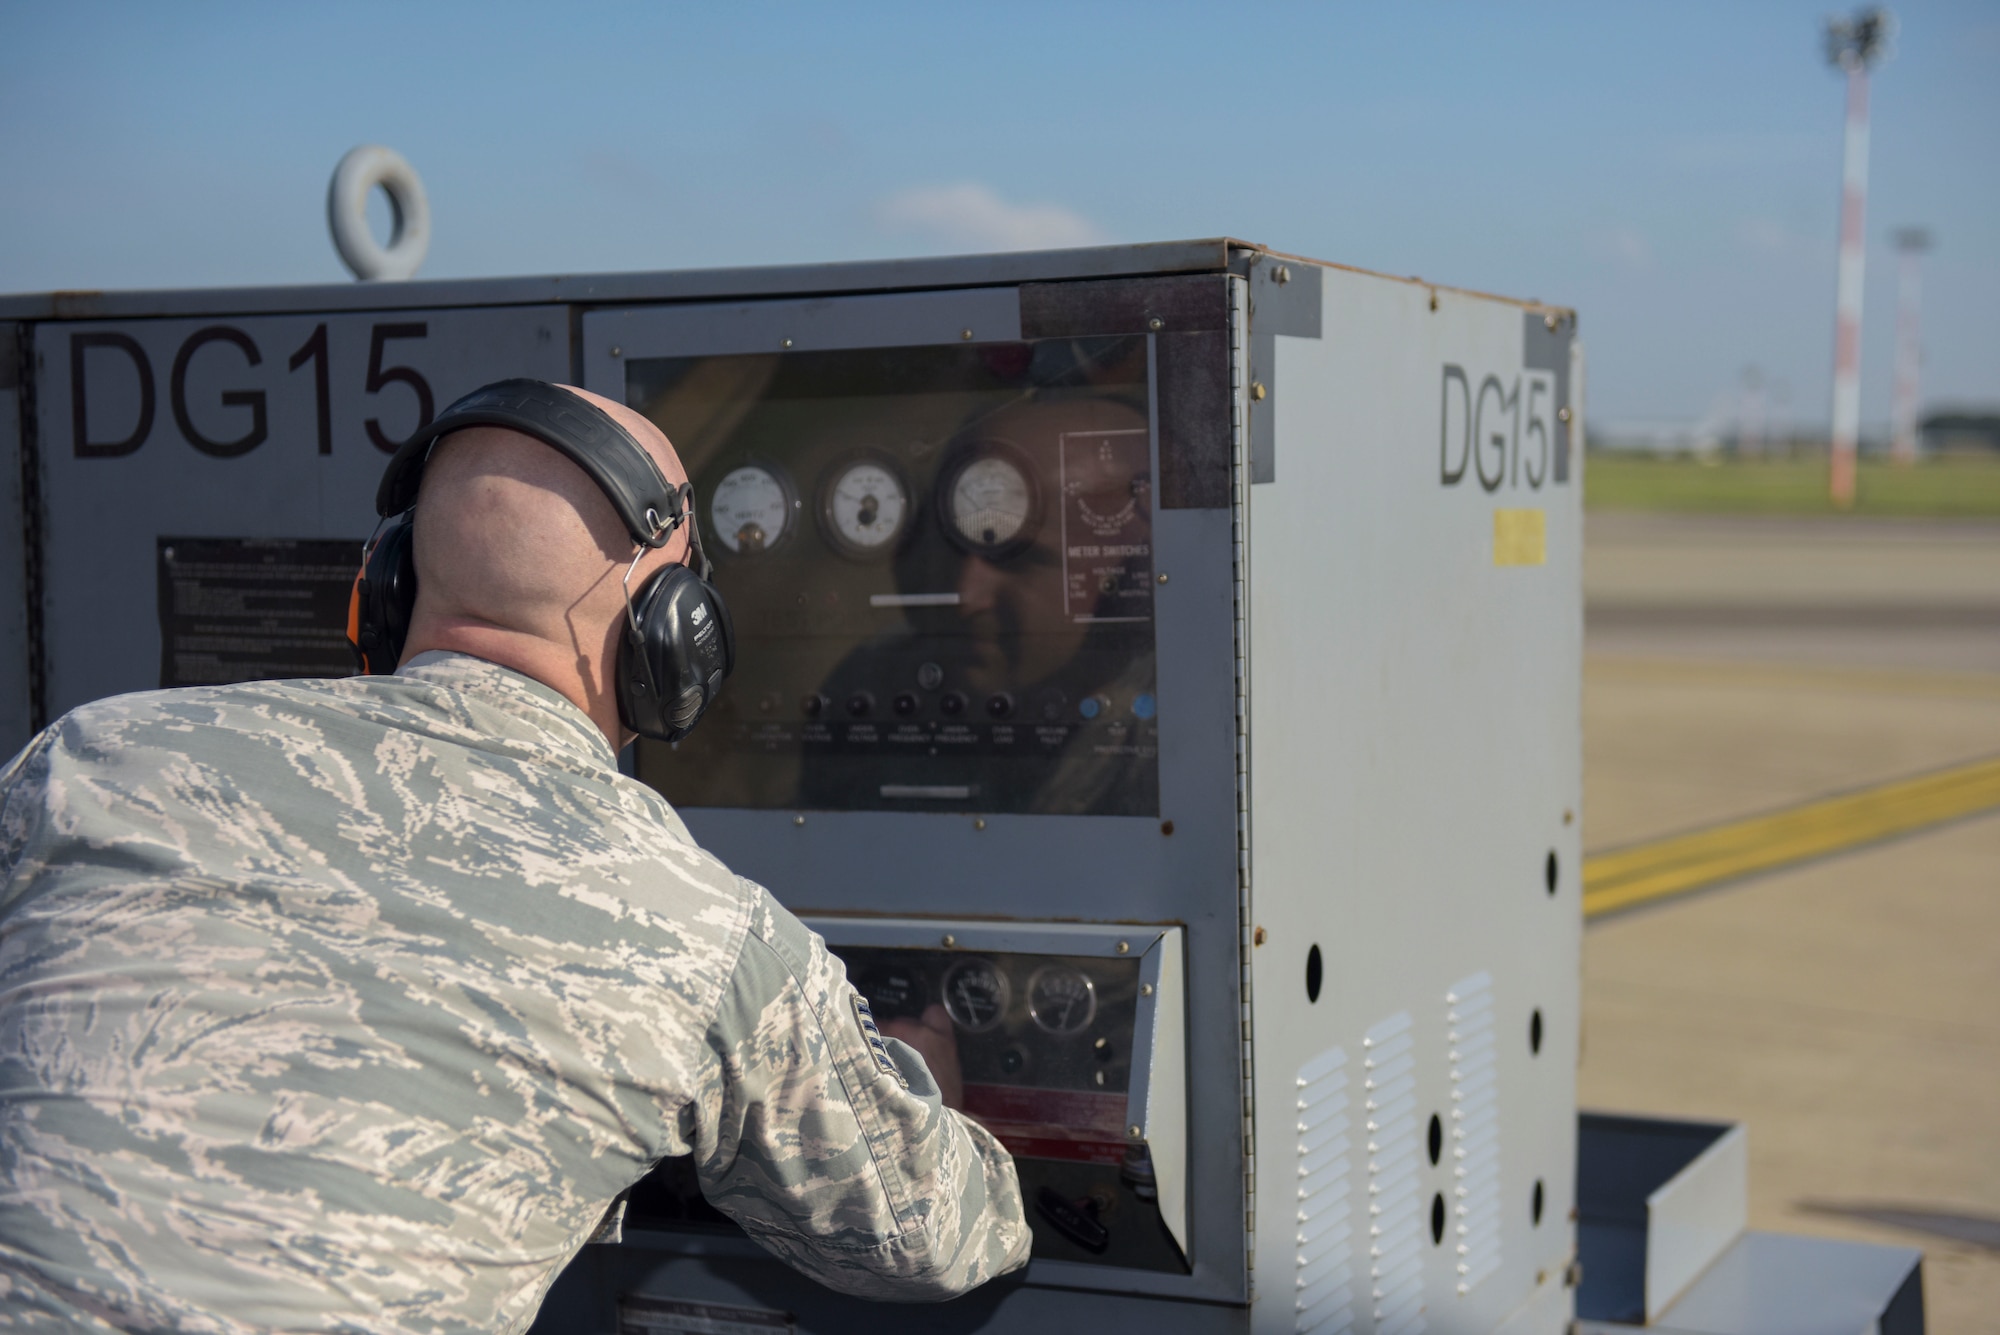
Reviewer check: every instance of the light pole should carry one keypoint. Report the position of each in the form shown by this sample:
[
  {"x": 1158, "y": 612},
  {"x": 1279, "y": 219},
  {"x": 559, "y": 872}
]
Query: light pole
[
  {"x": 1851, "y": 45},
  {"x": 1911, "y": 243}
]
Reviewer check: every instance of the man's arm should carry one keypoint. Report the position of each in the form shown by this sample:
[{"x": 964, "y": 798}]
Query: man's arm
[{"x": 830, "y": 1144}]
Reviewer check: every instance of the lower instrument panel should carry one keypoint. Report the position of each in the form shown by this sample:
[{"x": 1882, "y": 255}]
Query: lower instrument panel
[{"x": 1060, "y": 1032}]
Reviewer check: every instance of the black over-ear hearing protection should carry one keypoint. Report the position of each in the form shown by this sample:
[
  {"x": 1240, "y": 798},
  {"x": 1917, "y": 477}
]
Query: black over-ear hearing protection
[{"x": 678, "y": 644}]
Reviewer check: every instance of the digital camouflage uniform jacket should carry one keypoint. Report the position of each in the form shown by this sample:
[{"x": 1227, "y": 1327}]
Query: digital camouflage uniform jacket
[{"x": 352, "y": 1005}]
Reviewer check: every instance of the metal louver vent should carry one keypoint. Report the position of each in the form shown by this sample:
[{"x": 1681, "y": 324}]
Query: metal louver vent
[
  {"x": 1475, "y": 1129},
  {"x": 1395, "y": 1206},
  {"x": 1325, "y": 1282}
]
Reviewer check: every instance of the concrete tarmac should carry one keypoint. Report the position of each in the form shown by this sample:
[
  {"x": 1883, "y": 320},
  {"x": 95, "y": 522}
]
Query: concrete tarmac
[{"x": 1848, "y": 1011}]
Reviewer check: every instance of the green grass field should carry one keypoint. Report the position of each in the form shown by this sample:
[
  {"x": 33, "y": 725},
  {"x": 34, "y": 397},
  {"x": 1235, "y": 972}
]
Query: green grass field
[{"x": 1958, "y": 488}]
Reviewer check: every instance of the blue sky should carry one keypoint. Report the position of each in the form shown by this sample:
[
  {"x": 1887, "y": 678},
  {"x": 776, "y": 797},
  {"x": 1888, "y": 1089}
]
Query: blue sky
[{"x": 1671, "y": 171}]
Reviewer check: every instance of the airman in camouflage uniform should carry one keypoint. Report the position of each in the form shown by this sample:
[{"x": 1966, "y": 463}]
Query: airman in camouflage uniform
[{"x": 354, "y": 1005}]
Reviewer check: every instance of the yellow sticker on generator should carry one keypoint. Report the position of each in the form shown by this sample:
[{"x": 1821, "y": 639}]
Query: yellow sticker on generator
[{"x": 1520, "y": 537}]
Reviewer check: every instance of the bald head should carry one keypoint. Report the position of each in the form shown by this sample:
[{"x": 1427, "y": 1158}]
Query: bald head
[{"x": 520, "y": 558}]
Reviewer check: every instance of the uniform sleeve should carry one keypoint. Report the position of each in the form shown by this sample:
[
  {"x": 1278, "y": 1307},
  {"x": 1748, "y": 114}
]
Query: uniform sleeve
[
  {"x": 23, "y": 784},
  {"x": 829, "y": 1144}
]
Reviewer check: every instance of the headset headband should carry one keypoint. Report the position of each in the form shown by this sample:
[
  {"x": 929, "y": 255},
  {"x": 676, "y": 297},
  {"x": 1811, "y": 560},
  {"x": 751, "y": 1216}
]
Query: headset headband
[{"x": 588, "y": 436}]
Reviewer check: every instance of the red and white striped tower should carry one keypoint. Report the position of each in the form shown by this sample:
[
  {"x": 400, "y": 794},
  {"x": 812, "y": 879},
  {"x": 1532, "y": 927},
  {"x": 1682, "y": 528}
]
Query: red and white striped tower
[
  {"x": 1911, "y": 243},
  {"x": 1852, "y": 45}
]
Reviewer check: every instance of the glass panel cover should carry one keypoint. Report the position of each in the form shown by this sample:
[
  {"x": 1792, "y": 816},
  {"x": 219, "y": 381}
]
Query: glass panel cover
[{"x": 939, "y": 565}]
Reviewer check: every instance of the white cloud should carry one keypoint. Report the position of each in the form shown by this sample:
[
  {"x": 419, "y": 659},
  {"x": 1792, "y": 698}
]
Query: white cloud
[
  {"x": 1627, "y": 245},
  {"x": 972, "y": 215},
  {"x": 1765, "y": 234},
  {"x": 1768, "y": 236}
]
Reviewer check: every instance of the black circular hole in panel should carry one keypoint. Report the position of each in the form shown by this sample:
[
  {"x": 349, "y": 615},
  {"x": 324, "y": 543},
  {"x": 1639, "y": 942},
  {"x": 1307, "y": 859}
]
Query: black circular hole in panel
[
  {"x": 1313, "y": 970},
  {"x": 1535, "y": 1207},
  {"x": 1549, "y": 871},
  {"x": 1437, "y": 1139},
  {"x": 1535, "y": 1033},
  {"x": 1437, "y": 1219}
]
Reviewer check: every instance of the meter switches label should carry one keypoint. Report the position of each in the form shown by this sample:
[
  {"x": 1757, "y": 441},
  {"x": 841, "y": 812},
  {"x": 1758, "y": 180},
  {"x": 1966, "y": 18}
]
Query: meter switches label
[{"x": 1107, "y": 525}]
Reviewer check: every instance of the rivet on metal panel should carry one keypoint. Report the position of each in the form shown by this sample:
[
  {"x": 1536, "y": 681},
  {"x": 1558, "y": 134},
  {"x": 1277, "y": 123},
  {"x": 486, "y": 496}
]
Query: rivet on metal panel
[
  {"x": 1562, "y": 414},
  {"x": 1549, "y": 321},
  {"x": 1434, "y": 298},
  {"x": 948, "y": 940},
  {"x": 798, "y": 820},
  {"x": 965, "y": 334},
  {"x": 1145, "y": 989},
  {"x": 786, "y": 344},
  {"x": 1156, "y": 324},
  {"x": 979, "y": 823},
  {"x": 1124, "y": 947},
  {"x": 1166, "y": 827},
  {"x": 617, "y": 351},
  {"x": 1283, "y": 273},
  {"x": 1163, "y": 577},
  {"x": 1569, "y": 818},
  {"x": 1134, "y": 1131},
  {"x": 1257, "y": 390},
  {"x": 1257, "y": 937}
]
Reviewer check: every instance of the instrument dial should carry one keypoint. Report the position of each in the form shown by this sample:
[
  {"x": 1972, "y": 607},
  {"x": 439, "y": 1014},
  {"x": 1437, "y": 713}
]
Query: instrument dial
[
  {"x": 990, "y": 502},
  {"x": 1062, "y": 999},
  {"x": 865, "y": 507},
  {"x": 976, "y": 994},
  {"x": 751, "y": 509}
]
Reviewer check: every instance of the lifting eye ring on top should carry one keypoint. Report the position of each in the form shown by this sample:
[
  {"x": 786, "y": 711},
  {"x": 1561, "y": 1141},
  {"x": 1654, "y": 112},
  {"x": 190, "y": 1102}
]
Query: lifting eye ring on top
[{"x": 354, "y": 179}]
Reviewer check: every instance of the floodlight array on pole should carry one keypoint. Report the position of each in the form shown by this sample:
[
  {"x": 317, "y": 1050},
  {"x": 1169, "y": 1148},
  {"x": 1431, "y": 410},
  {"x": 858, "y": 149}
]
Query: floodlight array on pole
[
  {"x": 1852, "y": 45},
  {"x": 1911, "y": 243}
]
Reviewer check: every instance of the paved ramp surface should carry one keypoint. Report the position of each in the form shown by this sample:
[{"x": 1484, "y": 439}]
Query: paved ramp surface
[{"x": 1846, "y": 1007}]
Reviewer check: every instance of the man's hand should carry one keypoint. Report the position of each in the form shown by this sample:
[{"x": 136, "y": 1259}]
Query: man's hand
[{"x": 935, "y": 1042}]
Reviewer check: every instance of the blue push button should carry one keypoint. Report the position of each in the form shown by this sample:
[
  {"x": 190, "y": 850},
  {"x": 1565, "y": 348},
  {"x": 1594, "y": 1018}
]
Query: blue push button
[
  {"x": 1091, "y": 707},
  {"x": 1143, "y": 706}
]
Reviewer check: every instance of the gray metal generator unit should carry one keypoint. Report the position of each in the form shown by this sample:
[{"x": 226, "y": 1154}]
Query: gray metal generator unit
[{"x": 1165, "y": 658}]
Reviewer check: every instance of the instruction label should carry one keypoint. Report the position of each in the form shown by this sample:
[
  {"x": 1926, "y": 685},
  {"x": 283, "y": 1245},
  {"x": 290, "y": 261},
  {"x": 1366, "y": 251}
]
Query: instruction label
[{"x": 254, "y": 609}]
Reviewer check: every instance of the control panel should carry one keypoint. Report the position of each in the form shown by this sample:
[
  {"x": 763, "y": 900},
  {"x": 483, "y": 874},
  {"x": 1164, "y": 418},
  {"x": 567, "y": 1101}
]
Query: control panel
[
  {"x": 1069, "y": 1042},
  {"x": 939, "y": 562}
]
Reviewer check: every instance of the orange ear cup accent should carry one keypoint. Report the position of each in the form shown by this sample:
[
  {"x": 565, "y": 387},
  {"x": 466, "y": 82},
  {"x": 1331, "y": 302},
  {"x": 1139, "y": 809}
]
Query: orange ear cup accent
[{"x": 354, "y": 620}]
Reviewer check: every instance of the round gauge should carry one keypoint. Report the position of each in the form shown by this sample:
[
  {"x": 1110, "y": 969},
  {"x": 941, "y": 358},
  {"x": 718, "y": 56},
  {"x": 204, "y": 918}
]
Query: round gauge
[
  {"x": 1061, "y": 999},
  {"x": 989, "y": 501},
  {"x": 865, "y": 507},
  {"x": 975, "y": 995},
  {"x": 751, "y": 509}
]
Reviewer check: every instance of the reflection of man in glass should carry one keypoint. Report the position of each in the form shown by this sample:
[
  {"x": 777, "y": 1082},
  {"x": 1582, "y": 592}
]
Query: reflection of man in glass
[
  {"x": 1073, "y": 631},
  {"x": 1035, "y": 547},
  {"x": 1019, "y": 610}
]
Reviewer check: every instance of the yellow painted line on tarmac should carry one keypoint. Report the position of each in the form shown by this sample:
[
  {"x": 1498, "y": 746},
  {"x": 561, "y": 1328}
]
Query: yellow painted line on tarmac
[
  {"x": 1622, "y": 670},
  {"x": 1689, "y": 862}
]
